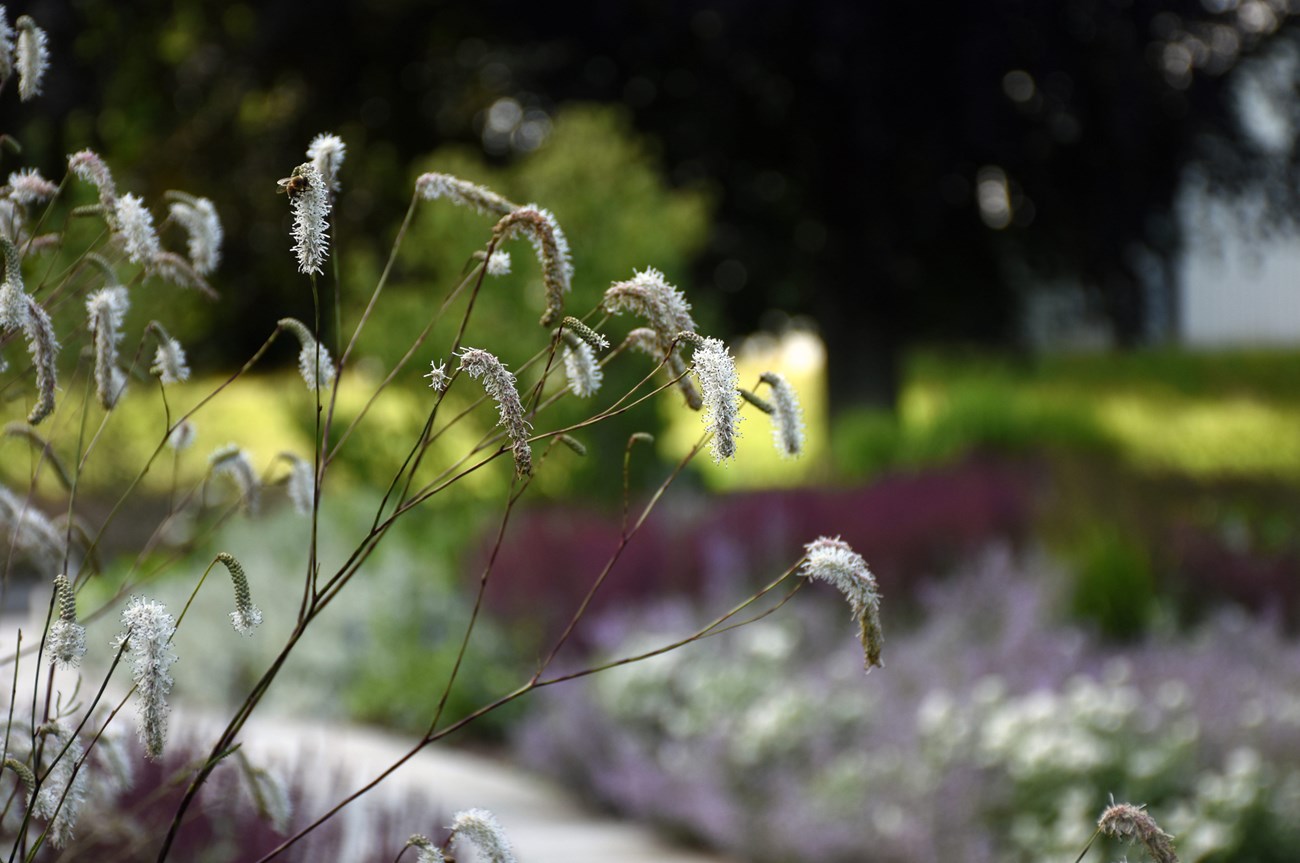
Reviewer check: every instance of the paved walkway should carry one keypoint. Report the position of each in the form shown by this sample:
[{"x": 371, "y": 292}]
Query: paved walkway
[{"x": 545, "y": 824}]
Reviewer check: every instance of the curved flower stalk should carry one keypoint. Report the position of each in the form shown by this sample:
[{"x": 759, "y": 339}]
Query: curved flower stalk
[
  {"x": 649, "y": 295},
  {"x": 833, "y": 561},
  {"x": 147, "y": 634},
  {"x": 31, "y": 57},
  {"x": 479, "y": 828},
  {"x": 246, "y": 617},
  {"x": 310, "y": 201},
  {"x": 198, "y": 216},
  {"x": 1132, "y": 823},
  {"x": 106, "y": 309},
  {"x": 62, "y": 792},
  {"x": 716, "y": 371},
  {"x": 314, "y": 361},
  {"x": 67, "y": 638},
  {"x": 233, "y": 462},
  {"x": 432, "y": 186},
  {"x": 327, "y": 152},
  {"x": 169, "y": 362},
  {"x": 88, "y": 166},
  {"x": 499, "y": 384},
  {"x": 787, "y": 415},
  {"x": 552, "y": 248}
]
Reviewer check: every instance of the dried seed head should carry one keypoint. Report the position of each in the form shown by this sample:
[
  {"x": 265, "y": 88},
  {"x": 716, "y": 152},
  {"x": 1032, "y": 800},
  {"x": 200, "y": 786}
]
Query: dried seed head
[
  {"x": 716, "y": 371},
  {"x": 67, "y": 639},
  {"x": 787, "y": 416},
  {"x": 31, "y": 57},
  {"x": 1132, "y": 823},
  {"x": 327, "y": 153},
  {"x": 246, "y": 617},
  {"x": 552, "y": 249},
  {"x": 147, "y": 631},
  {"x": 666, "y": 310},
  {"x": 198, "y": 216},
  {"x": 479, "y": 827},
  {"x": 499, "y": 384},
  {"x": 433, "y": 186},
  {"x": 314, "y": 361},
  {"x": 310, "y": 201},
  {"x": 833, "y": 561}
]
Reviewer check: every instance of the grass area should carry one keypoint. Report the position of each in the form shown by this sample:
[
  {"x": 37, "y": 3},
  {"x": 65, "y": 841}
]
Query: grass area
[{"x": 1203, "y": 415}]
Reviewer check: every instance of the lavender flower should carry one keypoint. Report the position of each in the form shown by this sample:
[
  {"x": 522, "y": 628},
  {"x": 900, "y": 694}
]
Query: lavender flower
[
  {"x": 31, "y": 57},
  {"x": 314, "y": 362},
  {"x": 479, "y": 827},
  {"x": 29, "y": 187},
  {"x": 787, "y": 416},
  {"x": 310, "y": 201},
  {"x": 1126, "y": 821},
  {"x": 327, "y": 153},
  {"x": 649, "y": 295},
  {"x": 198, "y": 216},
  {"x": 433, "y": 186},
  {"x": 833, "y": 561},
  {"x": 106, "y": 309},
  {"x": 67, "y": 638},
  {"x": 88, "y": 166},
  {"x": 135, "y": 227},
  {"x": 716, "y": 371},
  {"x": 233, "y": 462},
  {"x": 500, "y": 385},
  {"x": 147, "y": 634},
  {"x": 552, "y": 249}
]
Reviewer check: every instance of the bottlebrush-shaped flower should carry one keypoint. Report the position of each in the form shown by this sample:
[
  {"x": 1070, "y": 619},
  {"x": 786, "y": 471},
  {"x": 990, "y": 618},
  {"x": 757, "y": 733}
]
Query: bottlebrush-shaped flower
[
  {"x": 479, "y": 828},
  {"x": 31, "y": 57},
  {"x": 310, "y": 201},
  {"x": 499, "y": 384},
  {"x": 433, "y": 186},
  {"x": 67, "y": 639},
  {"x": 649, "y": 295},
  {"x": 552, "y": 249},
  {"x": 147, "y": 631},
  {"x": 716, "y": 371},
  {"x": 787, "y": 415},
  {"x": 198, "y": 216},
  {"x": 833, "y": 561},
  {"x": 314, "y": 361}
]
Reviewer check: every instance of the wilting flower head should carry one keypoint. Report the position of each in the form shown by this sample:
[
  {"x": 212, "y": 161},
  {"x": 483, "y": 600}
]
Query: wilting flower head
[
  {"x": 27, "y": 186},
  {"x": 649, "y": 295},
  {"x": 787, "y": 416},
  {"x": 433, "y": 186},
  {"x": 326, "y": 153},
  {"x": 198, "y": 216},
  {"x": 552, "y": 248},
  {"x": 67, "y": 639},
  {"x": 1132, "y": 823},
  {"x": 310, "y": 201},
  {"x": 479, "y": 827},
  {"x": 31, "y": 57},
  {"x": 499, "y": 384},
  {"x": 246, "y": 617},
  {"x": 716, "y": 371},
  {"x": 833, "y": 561},
  {"x": 87, "y": 165},
  {"x": 135, "y": 227},
  {"x": 314, "y": 362},
  {"x": 147, "y": 631}
]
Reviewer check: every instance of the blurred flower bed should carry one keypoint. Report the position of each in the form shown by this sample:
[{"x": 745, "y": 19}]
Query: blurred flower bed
[{"x": 995, "y": 732}]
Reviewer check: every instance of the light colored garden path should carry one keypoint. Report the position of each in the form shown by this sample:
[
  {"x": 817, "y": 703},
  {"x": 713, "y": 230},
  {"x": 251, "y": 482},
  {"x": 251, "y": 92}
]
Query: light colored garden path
[{"x": 545, "y": 823}]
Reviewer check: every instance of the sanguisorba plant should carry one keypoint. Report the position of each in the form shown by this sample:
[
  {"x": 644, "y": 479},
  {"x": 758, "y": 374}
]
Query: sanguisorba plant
[{"x": 75, "y": 368}]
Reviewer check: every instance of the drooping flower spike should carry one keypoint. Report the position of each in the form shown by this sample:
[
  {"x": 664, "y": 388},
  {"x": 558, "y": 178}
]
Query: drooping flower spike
[
  {"x": 833, "y": 561},
  {"x": 552, "y": 248},
  {"x": 499, "y": 384},
  {"x": 314, "y": 361},
  {"x": 666, "y": 311}
]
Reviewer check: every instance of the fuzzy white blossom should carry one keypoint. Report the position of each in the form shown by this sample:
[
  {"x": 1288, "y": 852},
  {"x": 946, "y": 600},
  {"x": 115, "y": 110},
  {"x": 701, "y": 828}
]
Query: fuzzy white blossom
[
  {"x": 135, "y": 227},
  {"x": 314, "y": 361},
  {"x": 499, "y": 384},
  {"x": 232, "y": 462},
  {"x": 198, "y": 216},
  {"x": 480, "y": 829},
  {"x": 169, "y": 362},
  {"x": 6, "y": 47},
  {"x": 13, "y": 296},
  {"x": 106, "y": 309},
  {"x": 301, "y": 483},
  {"x": 1132, "y": 823},
  {"x": 246, "y": 617},
  {"x": 437, "y": 375},
  {"x": 834, "y": 561},
  {"x": 716, "y": 371},
  {"x": 31, "y": 57},
  {"x": 27, "y": 186},
  {"x": 62, "y": 793},
  {"x": 498, "y": 264},
  {"x": 787, "y": 415},
  {"x": 668, "y": 314},
  {"x": 147, "y": 630},
  {"x": 44, "y": 350},
  {"x": 67, "y": 638},
  {"x": 543, "y": 231},
  {"x": 182, "y": 435},
  {"x": 433, "y": 186},
  {"x": 310, "y": 201},
  {"x": 425, "y": 850},
  {"x": 327, "y": 153},
  {"x": 581, "y": 369},
  {"x": 88, "y": 166}
]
